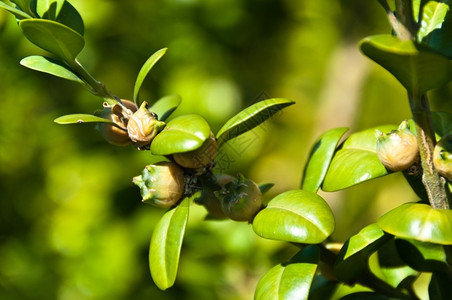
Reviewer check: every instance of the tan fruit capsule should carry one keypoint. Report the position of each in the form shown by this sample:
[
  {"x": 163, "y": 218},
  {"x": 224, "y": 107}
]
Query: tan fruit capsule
[
  {"x": 161, "y": 184},
  {"x": 200, "y": 157},
  {"x": 118, "y": 114},
  {"x": 398, "y": 149},
  {"x": 143, "y": 126},
  {"x": 240, "y": 199},
  {"x": 442, "y": 157}
]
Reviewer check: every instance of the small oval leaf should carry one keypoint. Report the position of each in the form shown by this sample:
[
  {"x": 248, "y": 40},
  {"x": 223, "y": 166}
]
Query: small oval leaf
[
  {"x": 182, "y": 134},
  {"x": 290, "y": 280},
  {"x": 49, "y": 66},
  {"x": 251, "y": 117},
  {"x": 295, "y": 216},
  {"x": 43, "y": 6},
  {"x": 356, "y": 161},
  {"x": 417, "y": 69},
  {"x": 165, "y": 106},
  {"x": 80, "y": 118},
  {"x": 354, "y": 255},
  {"x": 53, "y": 37},
  {"x": 166, "y": 243},
  {"x": 147, "y": 66},
  {"x": 419, "y": 222},
  {"x": 70, "y": 17},
  {"x": 433, "y": 14},
  {"x": 320, "y": 158},
  {"x": 19, "y": 14}
]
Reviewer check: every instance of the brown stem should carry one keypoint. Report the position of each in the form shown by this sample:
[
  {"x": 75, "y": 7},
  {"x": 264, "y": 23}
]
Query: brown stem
[{"x": 433, "y": 183}]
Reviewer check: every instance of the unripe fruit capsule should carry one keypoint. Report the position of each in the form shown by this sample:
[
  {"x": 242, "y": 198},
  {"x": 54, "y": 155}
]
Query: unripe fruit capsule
[
  {"x": 143, "y": 126},
  {"x": 442, "y": 157},
  {"x": 161, "y": 184},
  {"x": 398, "y": 149},
  {"x": 210, "y": 201}
]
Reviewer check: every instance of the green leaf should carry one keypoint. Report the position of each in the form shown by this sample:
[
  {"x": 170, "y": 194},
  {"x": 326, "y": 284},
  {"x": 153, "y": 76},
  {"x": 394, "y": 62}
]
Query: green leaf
[
  {"x": 16, "y": 12},
  {"x": 442, "y": 122},
  {"x": 433, "y": 14},
  {"x": 290, "y": 280},
  {"x": 165, "y": 106},
  {"x": 50, "y": 66},
  {"x": 439, "y": 287},
  {"x": 421, "y": 256},
  {"x": 320, "y": 158},
  {"x": 356, "y": 161},
  {"x": 295, "y": 216},
  {"x": 147, "y": 66},
  {"x": 354, "y": 255},
  {"x": 419, "y": 222},
  {"x": 250, "y": 117},
  {"x": 417, "y": 68},
  {"x": 43, "y": 6},
  {"x": 441, "y": 39},
  {"x": 70, "y": 17},
  {"x": 265, "y": 187},
  {"x": 166, "y": 244},
  {"x": 182, "y": 134},
  {"x": 80, "y": 118},
  {"x": 53, "y": 37}
]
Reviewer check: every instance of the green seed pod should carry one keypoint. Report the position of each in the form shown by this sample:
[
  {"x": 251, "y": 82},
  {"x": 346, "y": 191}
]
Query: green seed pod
[
  {"x": 116, "y": 134},
  {"x": 210, "y": 201},
  {"x": 161, "y": 184},
  {"x": 200, "y": 157},
  {"x": 143, "y": 126},
  {"x": 442, "y": 157},
  {"x": 240, "y": 199},
  {"x": 398, "y": 149}
]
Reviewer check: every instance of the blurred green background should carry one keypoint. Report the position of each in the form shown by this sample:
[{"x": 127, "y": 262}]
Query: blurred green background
[{"x": 71, "y": 222}]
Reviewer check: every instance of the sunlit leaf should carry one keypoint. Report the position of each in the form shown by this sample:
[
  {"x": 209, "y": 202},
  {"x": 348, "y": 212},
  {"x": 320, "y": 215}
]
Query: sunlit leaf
[
  {"x": 53, "y": 37},
  {"x": 421, "y": 256},
  {"x": 70, "y": 17},
  {"x": 290, "y": 280},
  {"x": 16, "y": 12},
  {"x": 354, "y": 255},
  {"x": 80, "y": 118},
  {"x": 50, "y": 66},
  {"x": 295, "y": 216},
  {"x": 433, "y": 14},
  {"x": 182, "y": 134},
  {"x": 419, "y": 222},
  {"x": 43, "y": 6},
  {"x": 417, "y": 68},
  {"x": 356, "y": 160},
  {"x": 251, "y": 117},
  {"x": 165, "y": 106},
  {"x": 147, "y": 66},
  {"x": 320, "y": 158},
  {"x": 166, "y": 244}
]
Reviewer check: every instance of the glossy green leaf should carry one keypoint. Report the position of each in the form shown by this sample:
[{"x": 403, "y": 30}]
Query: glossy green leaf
[
  {"x": 391, "y": 268},
  {"x": 53, "y": 37},
  {"x": 23, "y": 4},
  {"x": 442, "y": 122},
  {"x": 440, "y": 286},
  {"x": 182, "y": 134},
  {"x": 419, "y": 222},
  {"x": 295, "y": 216},
  {"x": 80, "y": 118},
  {"x": 320, "y": 158},
  {"x": 166, "y": 244},
  {"x": 70, "y": 17},
  {"x": 417, "y": 69},
  {"x": 356, "y": 160},
  {"x": 421, "y": 256},
  {"x": 50, "y": 66},
  {"x": 251, "y": 117},
  {"x": 165, "y": 106},
  {"x": 16, "y": 12},
  {"x": 290, "y": 280},
  {"x": 354, "y": 255},
  {"x": 147, "y": 66},
  {"x": 433, "y": 14},
  {"x": 43, "y": 6},
  {"x": 440, "y": 40},
  {"x": 265, "y": 187}
]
